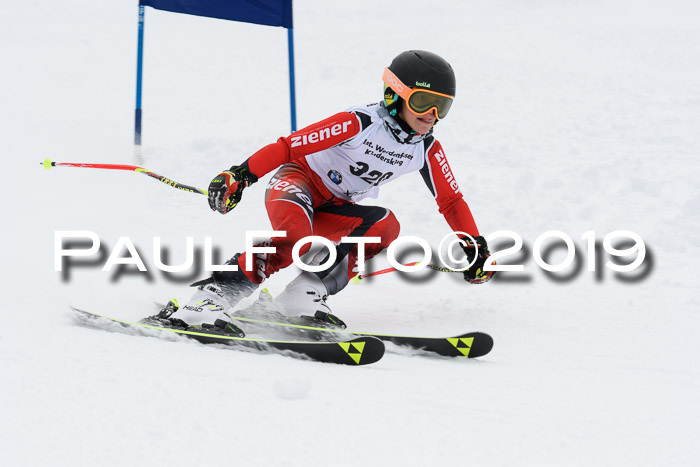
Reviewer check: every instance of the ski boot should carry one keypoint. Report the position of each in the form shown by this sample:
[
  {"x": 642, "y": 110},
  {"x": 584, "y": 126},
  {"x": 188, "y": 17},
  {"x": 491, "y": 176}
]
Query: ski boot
[
  {"x": 260, "y": 309},
  {"x": 328, "y": 319},
  {"x": 162, "y": 318},
  {"x": 307, "y": 294},
  {"x": 222, "y": 324},
  {"x": 209, "y": 307}
]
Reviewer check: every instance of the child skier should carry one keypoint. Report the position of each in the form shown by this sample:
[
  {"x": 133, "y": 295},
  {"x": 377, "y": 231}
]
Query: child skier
[{"x": 323, "y": 170}]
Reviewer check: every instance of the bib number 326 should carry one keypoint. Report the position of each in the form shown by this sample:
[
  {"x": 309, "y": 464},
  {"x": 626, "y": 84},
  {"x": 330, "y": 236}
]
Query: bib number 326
[{"x": 374, "y": 177}]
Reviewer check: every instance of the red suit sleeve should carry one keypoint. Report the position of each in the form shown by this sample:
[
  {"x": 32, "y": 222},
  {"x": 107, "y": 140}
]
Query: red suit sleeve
[
  {"x": 441, "y": 182},
  {"x": 314, "y": 138}
]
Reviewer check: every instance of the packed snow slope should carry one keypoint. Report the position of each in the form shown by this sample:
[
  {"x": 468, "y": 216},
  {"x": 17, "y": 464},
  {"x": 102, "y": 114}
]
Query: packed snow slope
[{"x": 570, "y": 116}]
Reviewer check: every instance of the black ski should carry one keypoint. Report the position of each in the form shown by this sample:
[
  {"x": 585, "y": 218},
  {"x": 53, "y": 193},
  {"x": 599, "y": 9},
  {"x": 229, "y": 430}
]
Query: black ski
[
  {"x": 361, "y": 350},
  {"x": 470, "y": 345}
]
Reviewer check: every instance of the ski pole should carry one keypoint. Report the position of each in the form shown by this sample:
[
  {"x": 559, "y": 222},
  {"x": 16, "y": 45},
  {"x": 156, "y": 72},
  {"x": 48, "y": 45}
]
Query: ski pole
[
  {"x": 48, "y": 163},
  {"x": 435, "y": 267}
]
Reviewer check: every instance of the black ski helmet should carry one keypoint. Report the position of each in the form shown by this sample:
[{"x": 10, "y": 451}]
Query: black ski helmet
[{"x": 422, "y": 70}]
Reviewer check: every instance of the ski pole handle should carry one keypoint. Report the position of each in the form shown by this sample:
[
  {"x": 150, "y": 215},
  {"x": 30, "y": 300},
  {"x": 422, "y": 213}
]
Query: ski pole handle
[{"x": 48, "y": 163}]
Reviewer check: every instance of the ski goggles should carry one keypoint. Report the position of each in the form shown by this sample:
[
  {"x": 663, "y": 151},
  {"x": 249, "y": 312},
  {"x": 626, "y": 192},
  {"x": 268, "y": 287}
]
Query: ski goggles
[{"x": 420, "y": 101}]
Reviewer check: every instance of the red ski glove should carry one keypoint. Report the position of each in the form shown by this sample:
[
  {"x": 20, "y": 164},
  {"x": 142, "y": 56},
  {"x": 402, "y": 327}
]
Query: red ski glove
[
  {"x": 476, "y": 274},
  {"x": 226, "y": 190}
]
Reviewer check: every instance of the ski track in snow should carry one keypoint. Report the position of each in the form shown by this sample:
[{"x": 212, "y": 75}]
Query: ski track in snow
[{"x": 570, "y": 116}]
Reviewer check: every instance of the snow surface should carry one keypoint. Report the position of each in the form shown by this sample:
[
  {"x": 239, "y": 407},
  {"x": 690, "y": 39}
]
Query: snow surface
[{"x": 570, "y": 116}]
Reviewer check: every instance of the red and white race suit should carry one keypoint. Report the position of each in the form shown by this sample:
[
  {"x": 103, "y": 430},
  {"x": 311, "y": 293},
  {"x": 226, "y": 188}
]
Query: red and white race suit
[{"x": 326, "y": 168}]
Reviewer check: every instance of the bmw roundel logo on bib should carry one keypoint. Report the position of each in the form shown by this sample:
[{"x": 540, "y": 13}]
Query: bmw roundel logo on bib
[{"x": 335, "y": 176}]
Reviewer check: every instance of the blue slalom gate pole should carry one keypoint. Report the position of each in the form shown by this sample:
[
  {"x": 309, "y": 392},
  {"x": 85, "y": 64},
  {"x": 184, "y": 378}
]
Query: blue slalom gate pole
[
  {"x": 139, "y": 81},
  {"x": 292, "y": 96}
]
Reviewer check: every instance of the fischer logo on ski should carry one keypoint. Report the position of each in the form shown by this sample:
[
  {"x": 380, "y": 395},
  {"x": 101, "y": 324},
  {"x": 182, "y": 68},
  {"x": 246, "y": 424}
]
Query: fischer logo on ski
[
  {"x": 463, "y": 344},
  {"x": 353, "y": 349}
]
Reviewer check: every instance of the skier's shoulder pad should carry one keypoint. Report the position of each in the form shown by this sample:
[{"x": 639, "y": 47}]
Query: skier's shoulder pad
[{"x": 366, "y": 114}]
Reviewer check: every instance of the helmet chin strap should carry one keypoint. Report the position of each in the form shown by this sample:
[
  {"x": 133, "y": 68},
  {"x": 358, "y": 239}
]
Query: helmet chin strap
[{"x": 399, "y": 128}]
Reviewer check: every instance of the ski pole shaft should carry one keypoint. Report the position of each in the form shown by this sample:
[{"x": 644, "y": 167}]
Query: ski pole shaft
[
  {"x": 383, "y": 271},
  {"x": 48, "y": 163},
  {"x": 387, "y": 270}
]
